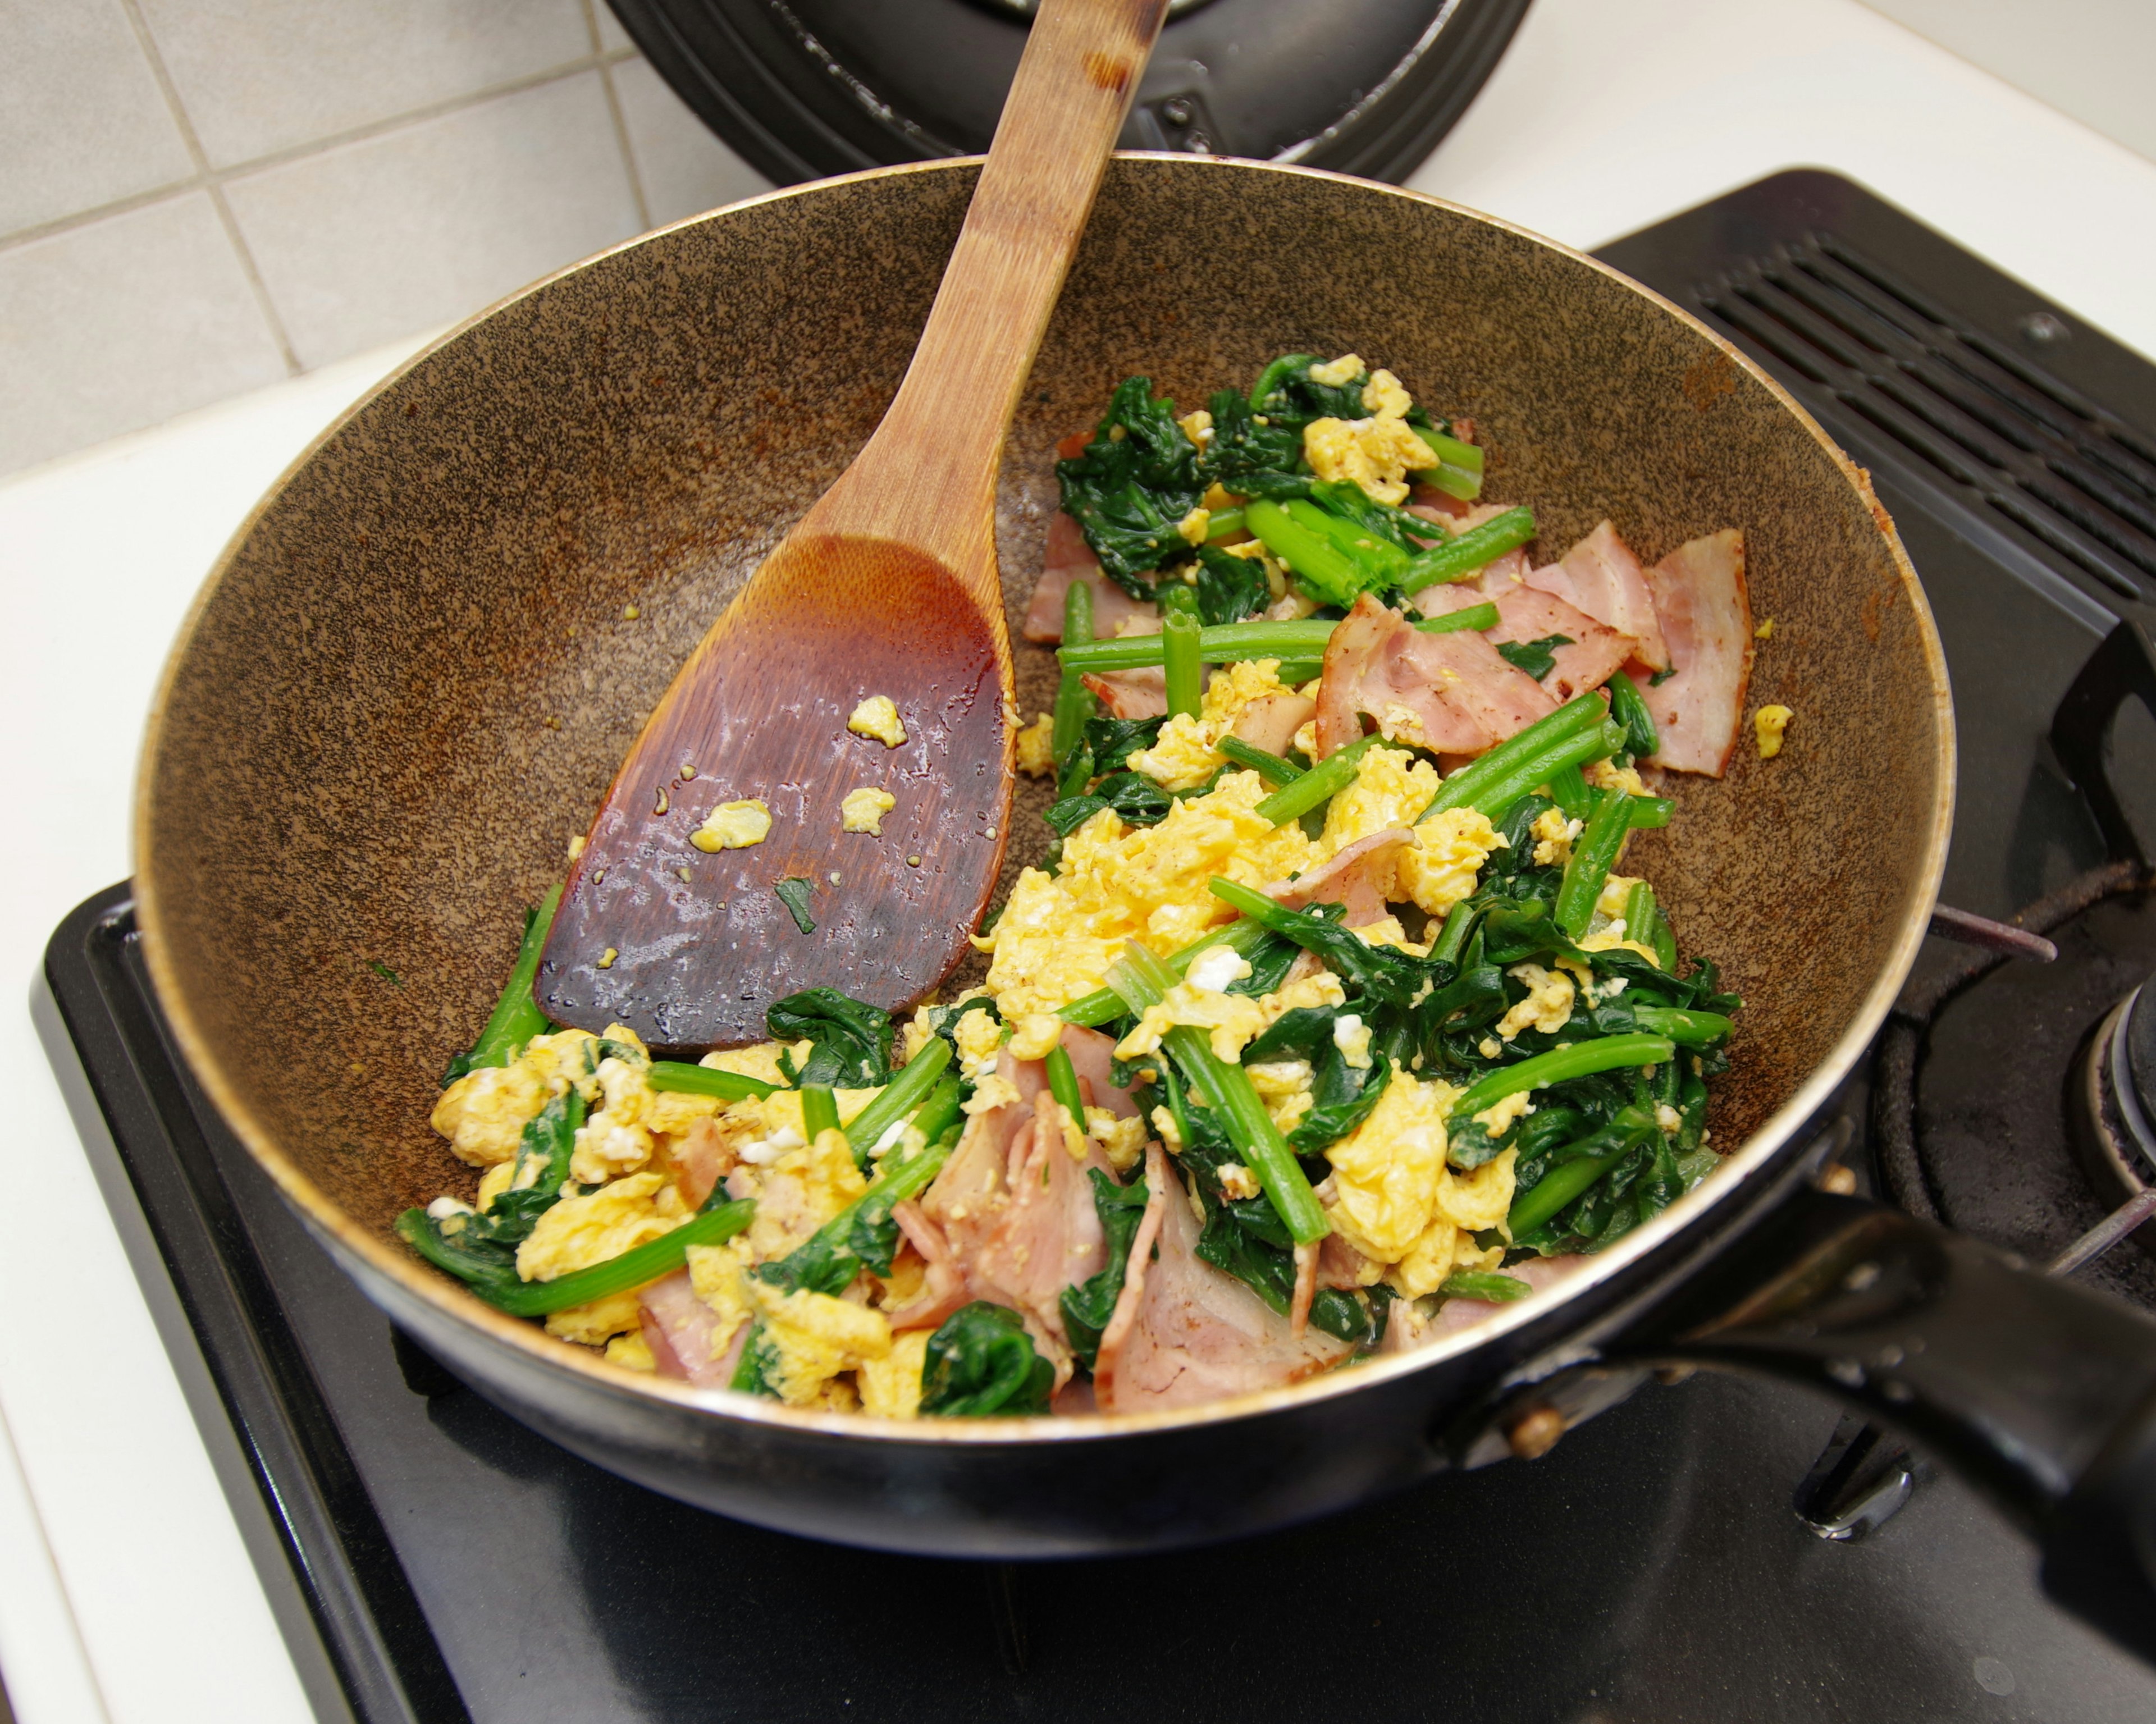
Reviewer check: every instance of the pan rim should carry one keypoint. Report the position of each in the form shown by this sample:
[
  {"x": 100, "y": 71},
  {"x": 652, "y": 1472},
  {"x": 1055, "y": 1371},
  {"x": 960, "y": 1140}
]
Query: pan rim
[{"x": 1739, "y": 1172}]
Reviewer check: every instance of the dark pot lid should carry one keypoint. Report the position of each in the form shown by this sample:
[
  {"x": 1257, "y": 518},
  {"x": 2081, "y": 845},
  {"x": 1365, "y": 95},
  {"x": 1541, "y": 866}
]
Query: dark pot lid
[{"x": 802, "y": 89}]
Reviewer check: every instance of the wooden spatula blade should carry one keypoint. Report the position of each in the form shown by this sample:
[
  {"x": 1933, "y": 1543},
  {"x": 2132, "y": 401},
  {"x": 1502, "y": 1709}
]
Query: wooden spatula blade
[{"x": 701, "y": 942}]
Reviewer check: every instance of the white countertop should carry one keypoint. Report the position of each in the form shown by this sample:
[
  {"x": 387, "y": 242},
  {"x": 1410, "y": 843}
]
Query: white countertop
[{"x": 125, "y": 1592}]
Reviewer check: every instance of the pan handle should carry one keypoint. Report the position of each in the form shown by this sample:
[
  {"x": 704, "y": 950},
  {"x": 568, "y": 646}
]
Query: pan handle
[{"x": 2041, "y": 1393}]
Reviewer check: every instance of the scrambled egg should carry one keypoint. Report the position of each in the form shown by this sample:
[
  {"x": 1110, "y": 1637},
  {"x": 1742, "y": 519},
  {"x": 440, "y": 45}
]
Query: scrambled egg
[
  {"x": 1351, "y": 1036},
  {"x": 580, "y": 1231},
  {"x": 863, "y": 810},
  {"x": 717, "y": 1276},
  {"x": 1398, "y": 1201},
  {"x": 733, "y": 826},
  {"x": 1770, "y": 722},
  {"x": 877, "y": 718},
  {"x": 1059, "y": 933},
  {"x": 1385, "y": 1173},
  {"x": 1192, "y": 528},
  {"x": 815, "y": 1336},
  {"x": 483, "y": 1112},
  {"x": 1034, "y": 1036},
  {"x": 1234, "y": 1019},
  {"x": 1553, "y": 835},
  {"x": 804, "y": 1188},
  {"x": 1122, "y": 1140},
  {"x": 1036, "y": 747},
  {"x": 1185, "y": 755},
  {"x": 1377, "y": 453},
  {"x": 890, "y": 1386},
  {"x": 1547, "y": 1007},
  {"x": 1391, "y": 789}
]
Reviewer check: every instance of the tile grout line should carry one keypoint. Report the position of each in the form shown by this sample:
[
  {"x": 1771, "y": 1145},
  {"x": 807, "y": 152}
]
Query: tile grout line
[
  {"x": 620, "y": 121},
  {"x": 213, "y": 188},
  {"x": 207, "y": 178}
]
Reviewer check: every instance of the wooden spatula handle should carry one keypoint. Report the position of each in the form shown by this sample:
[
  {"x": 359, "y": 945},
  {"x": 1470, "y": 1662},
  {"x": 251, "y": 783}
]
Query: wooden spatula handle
[{"x": 1076, "y": 82}]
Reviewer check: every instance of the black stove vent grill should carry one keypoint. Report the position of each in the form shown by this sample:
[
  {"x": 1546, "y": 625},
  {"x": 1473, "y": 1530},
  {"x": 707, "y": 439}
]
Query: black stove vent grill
[{"x": 2011, "y": 435}]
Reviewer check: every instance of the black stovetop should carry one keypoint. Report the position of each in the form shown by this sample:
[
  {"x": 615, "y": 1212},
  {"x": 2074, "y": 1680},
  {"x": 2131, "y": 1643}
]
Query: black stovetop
[{"x": 430, "y": 1558}]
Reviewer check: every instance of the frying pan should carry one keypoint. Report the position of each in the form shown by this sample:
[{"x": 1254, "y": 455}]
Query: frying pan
[{"x": 414, "y": 672}]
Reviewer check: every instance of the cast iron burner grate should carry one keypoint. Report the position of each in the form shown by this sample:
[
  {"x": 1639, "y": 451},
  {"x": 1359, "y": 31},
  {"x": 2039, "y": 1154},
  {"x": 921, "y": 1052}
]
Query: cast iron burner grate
[{"x": 429, "y": 1558}]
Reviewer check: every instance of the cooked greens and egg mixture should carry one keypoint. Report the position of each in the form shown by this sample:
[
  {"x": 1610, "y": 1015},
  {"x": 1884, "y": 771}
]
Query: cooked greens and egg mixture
[{"x": 1329, "y": 1022}]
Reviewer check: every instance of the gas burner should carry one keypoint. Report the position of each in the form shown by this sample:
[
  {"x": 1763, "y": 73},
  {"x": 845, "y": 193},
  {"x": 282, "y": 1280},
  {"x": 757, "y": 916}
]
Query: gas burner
[{"x": 2110, "y": 1107}]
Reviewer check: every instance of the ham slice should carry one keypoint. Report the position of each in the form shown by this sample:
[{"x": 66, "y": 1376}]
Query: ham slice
[
  {"x": 678, "y": 1327},
  {"x": 701, "y": 1160},
  {"x": 1071, "y": 558},
  {"x": 943, "y": 1284},
  {"x": 1540, "y": 1273},
  {"x": 1601, "y": 577},
  {"x": 1197, "y": 1335},
  {"x": 1091, "y": 1053},
  {"x": 1451, "y": 692},
  {"x": 1528, "y": 613},
  {"x": 1271, "y": 721},
  {"x": 1160, "y": 1190},
  {"x": 1131, "y": 694},
  {"x": 1346, "y": 879},
  {"x": 1705, "y": 616},
  {"x": 1047, "y": 1234},
  {"x": 966, "y": 1195}
]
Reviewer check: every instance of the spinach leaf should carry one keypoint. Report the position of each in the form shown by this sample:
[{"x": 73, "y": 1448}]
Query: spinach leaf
[
  {"x": 1385, "y": 975},
  {"x": 1112, "y": 741},
  {"x": 852, "y": 1040},
  {"x": 1133, "y": 485},
  {"x": 1088, "y": 1305},
  {"x": 1297, "y": 1033},
  {"x": 548, "y": 1142},
  {"x": 1381, "y": 520},
  {"x": 981, "y": 1362},
  {"x": 1356, "y": 1318},
  {"x": 1241, "y": 447},
  {"x": 1285, "y": 394},
  {"x": 1135, "y": 798},
  {"x": 1341, "y": 1097},
  {"x": 758, "y": 1365},
  {"x": 1229, "y": 588},
  {"x": 1537, "y": 658},
  {"x": 1268, "y": 967}
]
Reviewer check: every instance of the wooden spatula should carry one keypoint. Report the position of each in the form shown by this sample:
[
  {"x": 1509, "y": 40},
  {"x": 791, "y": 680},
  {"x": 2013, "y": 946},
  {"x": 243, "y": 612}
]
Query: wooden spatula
[{"x": 887, "y": 587}]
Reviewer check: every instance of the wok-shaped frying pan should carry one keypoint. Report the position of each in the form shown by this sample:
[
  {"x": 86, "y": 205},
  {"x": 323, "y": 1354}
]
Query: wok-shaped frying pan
[{"x": 412, "y": 674}]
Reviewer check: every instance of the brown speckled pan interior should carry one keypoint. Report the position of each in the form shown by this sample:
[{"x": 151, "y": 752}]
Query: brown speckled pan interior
[{"x": 413, "y": 674}]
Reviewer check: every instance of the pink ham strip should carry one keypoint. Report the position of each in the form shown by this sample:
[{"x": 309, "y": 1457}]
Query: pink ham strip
[
  {"x": 1108, "y": 1357},
  {"x": 678, "y": 1327},
  {"x": 1528, "y": 613},
  {"x": 1090, "y": 1056},
  {"x": 1464, "y": 697},
  {"x": 1130, "y": 694},
  {"x": 1345, "y": 878},
  {"x": 1271, "y": 721},
  {"x": 1070, "y": 558},
  {"x": 1540, "y": 1273},
  {"x": 1705, "y": 614},
  {"x": 701, "y": 1159},
  {"x": 943, "y": 1283},
  {"x": 1047, "y": 1235},
  {"x": 1306, "y": 1290},
  {"x": 1200, "y": 1335},
  {"x": 1601, "y": 577}
]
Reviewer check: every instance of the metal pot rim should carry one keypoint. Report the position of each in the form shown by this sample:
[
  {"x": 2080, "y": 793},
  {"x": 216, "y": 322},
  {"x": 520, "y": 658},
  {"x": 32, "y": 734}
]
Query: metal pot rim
[{"x": 1739, "y": 1172}]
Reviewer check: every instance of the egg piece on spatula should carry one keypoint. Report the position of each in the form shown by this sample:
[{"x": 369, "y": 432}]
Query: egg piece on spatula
[{"x": 721, "y": 874}]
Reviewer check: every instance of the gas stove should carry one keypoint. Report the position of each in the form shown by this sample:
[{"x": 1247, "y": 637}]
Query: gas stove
[{"x": 1711, "y": 1549}]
